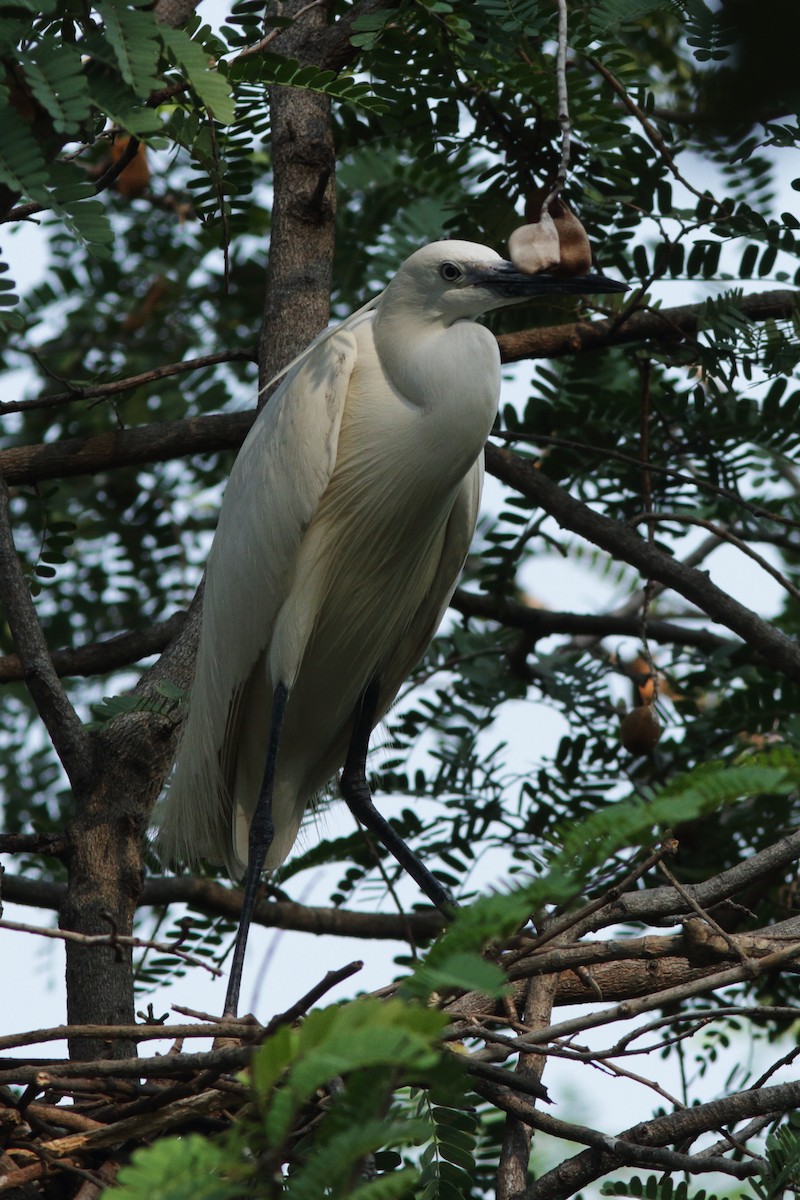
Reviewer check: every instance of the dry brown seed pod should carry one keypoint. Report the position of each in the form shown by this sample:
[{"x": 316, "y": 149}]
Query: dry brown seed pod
[
  {"x": 535, "y": 247},
  {"x": 640, "y": 729},
  {"x": 576, "y": 253}
]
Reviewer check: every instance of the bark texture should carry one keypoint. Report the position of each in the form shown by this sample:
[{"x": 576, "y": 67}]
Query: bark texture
[{"x": 300, "y": 268}]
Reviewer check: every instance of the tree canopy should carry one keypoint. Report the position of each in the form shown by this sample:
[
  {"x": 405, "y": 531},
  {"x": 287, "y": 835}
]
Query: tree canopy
[{"x": 209, "y": 199}]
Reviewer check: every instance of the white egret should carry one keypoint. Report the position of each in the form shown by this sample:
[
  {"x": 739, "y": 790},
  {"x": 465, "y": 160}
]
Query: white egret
[{"x": 342, "y": 533}]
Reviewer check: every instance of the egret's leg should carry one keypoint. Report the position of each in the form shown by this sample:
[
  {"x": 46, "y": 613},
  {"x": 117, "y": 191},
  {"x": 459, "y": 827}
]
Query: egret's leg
[
  {"x": 355, "y": 790},
  {"x": 262, "y": 831}
]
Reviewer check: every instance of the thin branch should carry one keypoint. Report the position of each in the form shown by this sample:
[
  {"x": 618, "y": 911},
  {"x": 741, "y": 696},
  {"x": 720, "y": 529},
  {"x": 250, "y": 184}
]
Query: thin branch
[
  {"x": 232, "y": 1027},
  {"x": 213, "y": 898},
  {"x": 111, "y": 939},
  {"x": 331, "y": 980},
  {"x": 616, "y": 1151},
  {"x": 703, "y": 485},
  {"x": 667, "y": 325},
  {"x": 541, "y": 623},
  {"x": 563, "y": 108},
  {"x": 653, "y": 135},
  {"x": 23, "y": 211},
  {"x": 62, "y": 722},
  {"x": 574, "y": 1174},
  {"x": 97, "y": 658},
  {"x": 576, "y": 921},
  {"x": 114, "y": 387},
  {"x": 750, "y": 969},
  {"x": 724, "y": 535},
  {"x": 780, "y": 651},
  {"x": 161, "y": 1066}
]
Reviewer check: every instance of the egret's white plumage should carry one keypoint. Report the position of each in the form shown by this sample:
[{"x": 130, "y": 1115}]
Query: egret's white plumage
[
  {"x": 342, "y": 533},
  {"x": 343, "y": 530}
]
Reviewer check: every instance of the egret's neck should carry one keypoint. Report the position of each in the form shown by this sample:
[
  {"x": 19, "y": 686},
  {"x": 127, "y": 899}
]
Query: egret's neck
[{"x": 450, "y": 372}]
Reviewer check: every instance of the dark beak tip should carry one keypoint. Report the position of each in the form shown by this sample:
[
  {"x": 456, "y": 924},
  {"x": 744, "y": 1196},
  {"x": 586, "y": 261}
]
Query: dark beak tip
[{"x": 593, "y": 281}]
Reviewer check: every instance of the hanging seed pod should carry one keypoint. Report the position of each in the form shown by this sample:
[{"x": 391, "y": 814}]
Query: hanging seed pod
[
  {"x": 575, "y": 251},
  {"x": 535, "y": 247},
  {"x": 640, "y": 730},
  {"x": 553, "y": 240}
]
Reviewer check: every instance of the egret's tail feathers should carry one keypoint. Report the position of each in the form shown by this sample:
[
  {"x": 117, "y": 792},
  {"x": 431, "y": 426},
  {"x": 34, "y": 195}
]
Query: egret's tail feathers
[{"x": 193, "y": 825}]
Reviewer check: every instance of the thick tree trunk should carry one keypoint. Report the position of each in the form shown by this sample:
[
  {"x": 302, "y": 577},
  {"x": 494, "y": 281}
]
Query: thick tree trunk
[
  {"x": 299, "y": 273},
  {"x": 132, "y": 756},
  {"x": 105, "y": 879}
]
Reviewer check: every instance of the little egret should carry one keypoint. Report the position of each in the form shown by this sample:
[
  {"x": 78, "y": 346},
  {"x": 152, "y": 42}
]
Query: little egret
[{"x": 342, "y": 533}]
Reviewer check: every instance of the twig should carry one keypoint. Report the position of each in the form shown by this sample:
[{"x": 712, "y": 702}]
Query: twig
[
  {"x": 603, "y": 1063},
  {"x": 137, "y": 1033},
  {"x": 115, "y": 386},
  {"x": 632, "y": 1008},
  {"x": 111, "y": 939},
  {"x": 731, "y": 942},
  {"x": 100, "y": 657},
  {"x": 62, "y": 722},
  {"x": 780, "y": 651},
  {"x": 23, "y": 211},
  {"x": 569, "y": 921},
  {"x": 724, "y": 535},
  {"x": 301, "y": 1006},
  {"x": 616, "y": 1151},
  {"x": 563, "y": 108},
  {"x": 650, "y": 130},
  {"x": 704, "y": 485},
  {"x": 162, "y": 1066},
  {"x": 541, "y": 623}
]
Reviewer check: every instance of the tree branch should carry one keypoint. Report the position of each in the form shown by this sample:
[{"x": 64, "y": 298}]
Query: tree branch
[
  {"x": 623, "y": 543},
  {"x": 97, "y": 658},
  {"x": 570, "y": 1176},
  {"x": 220, "y": 901},
  {"x": 160, "y": 442},
  {"x": 204, "y": 435},
  {"x": 114, "y": 387},
  {"x": 60, "y": 719},
  {"x": 661, "y": 324},
  {"x": 618, "y": 1151},
  {"x": 541, "y": 623}
]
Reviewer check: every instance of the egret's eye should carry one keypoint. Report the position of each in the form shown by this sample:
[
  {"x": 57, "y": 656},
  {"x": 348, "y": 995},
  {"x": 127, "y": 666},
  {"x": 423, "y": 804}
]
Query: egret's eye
[{"x": 450, "y": 272}]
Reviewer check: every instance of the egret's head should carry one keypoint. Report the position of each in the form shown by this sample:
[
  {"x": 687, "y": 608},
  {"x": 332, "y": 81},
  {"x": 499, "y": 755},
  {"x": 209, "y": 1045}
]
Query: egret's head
[{"x": 456, "y": 281}]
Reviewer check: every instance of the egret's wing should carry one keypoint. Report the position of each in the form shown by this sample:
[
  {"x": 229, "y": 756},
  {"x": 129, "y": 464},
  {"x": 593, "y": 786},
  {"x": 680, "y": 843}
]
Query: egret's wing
[
  {"x": 279, "y": 476},
  {"x": 455, "y": 546}
]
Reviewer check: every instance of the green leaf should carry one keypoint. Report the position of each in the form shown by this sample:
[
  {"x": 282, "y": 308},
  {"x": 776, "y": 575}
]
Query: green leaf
[
  {"x": 117, "y": 101},
  {"x": 134, "y": 36},
  {"x": 273, "y": 68},
  {"x": 22, "y": 164},
  {"x": 186, "y": 1168},
  {"x": 57, "y": 79},
  {"x": 207, "y": 80},
  {"x": 459, "y": 971}
]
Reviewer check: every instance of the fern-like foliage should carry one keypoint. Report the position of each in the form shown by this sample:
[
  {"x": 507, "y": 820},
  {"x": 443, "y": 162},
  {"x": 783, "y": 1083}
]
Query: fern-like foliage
[
  {"x": 782, "y": 1173},
  {"x": 361, "y": 1058},
  {"x": 654, "y": 1187},
  {"x": 166, "y": 703}
]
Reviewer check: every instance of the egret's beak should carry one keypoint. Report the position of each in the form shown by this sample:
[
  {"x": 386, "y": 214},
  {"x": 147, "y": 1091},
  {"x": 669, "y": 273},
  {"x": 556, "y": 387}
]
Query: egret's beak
[{"x": 511, "y": 284}]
